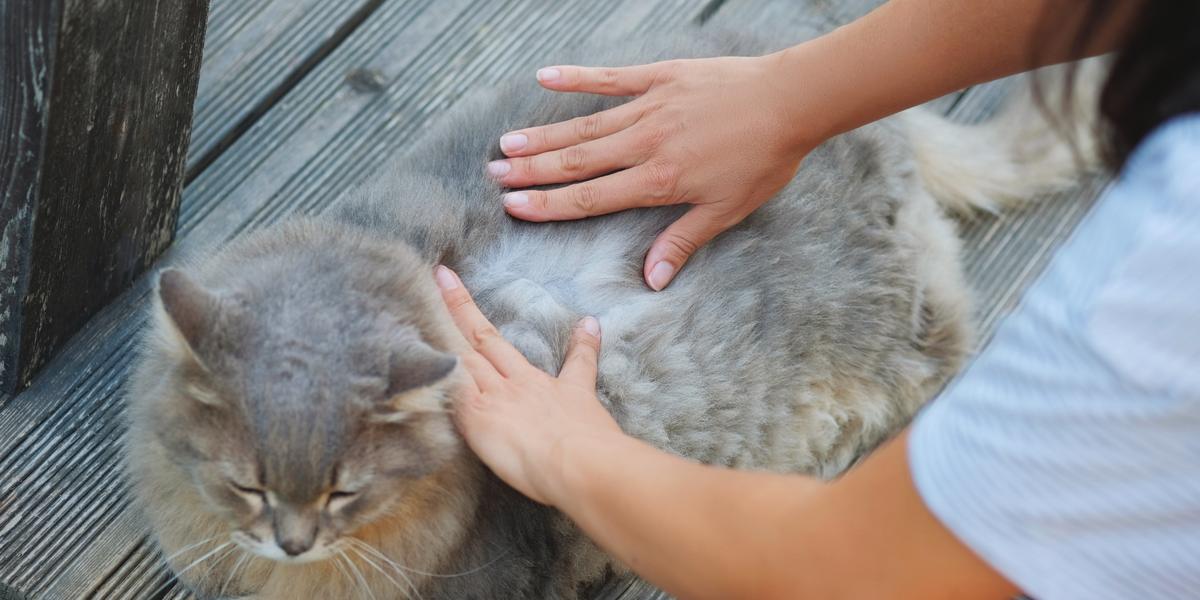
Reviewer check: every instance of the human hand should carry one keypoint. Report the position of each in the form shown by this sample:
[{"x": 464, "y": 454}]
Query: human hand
[
  {"x": 715, "y": 133},
  {"x": 516, "y": 417}
]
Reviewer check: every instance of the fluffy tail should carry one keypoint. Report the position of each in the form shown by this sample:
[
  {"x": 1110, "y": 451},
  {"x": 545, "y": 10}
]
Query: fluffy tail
[{"x": 1017, "y": 155}]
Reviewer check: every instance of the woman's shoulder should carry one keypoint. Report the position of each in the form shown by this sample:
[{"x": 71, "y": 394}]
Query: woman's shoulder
[
  {"x": 1164, "y": 164},
  {"x": 1068, "y": 442}
]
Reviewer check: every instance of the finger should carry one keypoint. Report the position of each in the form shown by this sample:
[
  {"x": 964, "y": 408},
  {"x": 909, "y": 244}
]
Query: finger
[
  {"x": 648, "y": 184},
  {"x": 574, "y": 163},
  {"x": 609, "y": 81},
  {"x": 535, "y": 140},
  {"x": 675, "y": 245},
  {"x": 483, "y": 374},
  {"x": 583, "y": 354},
  {"x": 479, "y": 332}
]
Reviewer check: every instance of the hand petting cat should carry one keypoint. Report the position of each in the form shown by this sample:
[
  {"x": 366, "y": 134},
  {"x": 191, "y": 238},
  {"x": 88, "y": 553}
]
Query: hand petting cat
[
  {"x": 517, "y": 416},
  {"x": 706, "y": 132}
]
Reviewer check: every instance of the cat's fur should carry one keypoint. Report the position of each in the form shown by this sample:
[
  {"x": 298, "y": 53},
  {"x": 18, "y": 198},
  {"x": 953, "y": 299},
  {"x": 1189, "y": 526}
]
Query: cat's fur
[{"x": 315, "y": 355}]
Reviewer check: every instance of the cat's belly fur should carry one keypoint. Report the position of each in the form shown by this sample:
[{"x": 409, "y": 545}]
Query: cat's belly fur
[{"x": 797, "y": 366}]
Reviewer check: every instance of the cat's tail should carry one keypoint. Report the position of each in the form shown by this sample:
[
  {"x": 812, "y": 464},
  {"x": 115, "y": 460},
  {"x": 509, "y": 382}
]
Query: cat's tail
[{"x": 1019, "y": 154}]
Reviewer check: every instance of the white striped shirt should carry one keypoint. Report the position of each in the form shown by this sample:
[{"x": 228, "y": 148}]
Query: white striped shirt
[{"x": 1067, "y": 455}]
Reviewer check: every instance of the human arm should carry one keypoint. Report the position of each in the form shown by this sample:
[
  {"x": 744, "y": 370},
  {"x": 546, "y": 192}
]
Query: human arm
[
  {"x": 705, "y": 532},
  {"x": 725, "y": 134},
  {"x": 700, "y": 531}
]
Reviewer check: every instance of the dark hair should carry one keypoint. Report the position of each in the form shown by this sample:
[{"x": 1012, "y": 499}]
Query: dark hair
[{"x": 1155, "y": 74}]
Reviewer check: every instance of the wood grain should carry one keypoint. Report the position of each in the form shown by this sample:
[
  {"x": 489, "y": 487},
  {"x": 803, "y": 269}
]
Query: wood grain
[
  {"x": 66, "y": 526},
  {"x": 98, "y": 172}
]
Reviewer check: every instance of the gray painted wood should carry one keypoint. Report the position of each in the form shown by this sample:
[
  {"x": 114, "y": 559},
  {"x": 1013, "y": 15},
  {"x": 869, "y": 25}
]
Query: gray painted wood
[
  {"x": 29, "y": 29},
  {"x": 96, "y": 113},
  {"x": 68, "y": 532},
  {"x": 255, "y": 52},
  {"x": 64, "y": 518}
]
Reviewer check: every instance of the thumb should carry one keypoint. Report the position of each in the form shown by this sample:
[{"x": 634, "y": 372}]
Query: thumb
[
  {"x": 609, "y": 81},
  {"x": 677, "y": 243},
  {"x": 579, "y": 367}
]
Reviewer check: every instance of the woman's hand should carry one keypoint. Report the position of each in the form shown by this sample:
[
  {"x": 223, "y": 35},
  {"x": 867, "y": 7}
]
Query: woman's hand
[
  {"x": 715, "y": 133},
  {"x": 517, "y": 417}
]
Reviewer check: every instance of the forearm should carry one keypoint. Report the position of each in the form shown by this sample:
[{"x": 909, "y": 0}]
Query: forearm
[
  {"x": 696, "y": 531},
  {"x": 911, "y": 51},
  {"x": 704, "y": 532}
]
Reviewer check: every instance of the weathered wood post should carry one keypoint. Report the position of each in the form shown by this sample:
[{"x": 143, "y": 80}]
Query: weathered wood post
[{"x": 95, "y": 112}]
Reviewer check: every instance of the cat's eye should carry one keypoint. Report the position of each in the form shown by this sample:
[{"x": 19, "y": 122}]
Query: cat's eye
[
  {"x": 338, "y": 499},
  {"x": 248, "y": 491}
]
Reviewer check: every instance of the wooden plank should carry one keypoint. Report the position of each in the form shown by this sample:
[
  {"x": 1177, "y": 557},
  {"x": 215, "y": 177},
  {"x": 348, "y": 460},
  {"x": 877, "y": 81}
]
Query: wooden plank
[
  {"x": 97, "y": 109},
  {"x": 70, "y": 533},
  {"x": 408, "y": 67},
  {"x": 26, "y": 59},
  {"x": 254, "y": 53}
]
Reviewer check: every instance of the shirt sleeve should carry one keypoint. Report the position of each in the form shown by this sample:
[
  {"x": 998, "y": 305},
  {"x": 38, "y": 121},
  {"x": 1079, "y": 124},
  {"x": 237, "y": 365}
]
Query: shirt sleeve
[{"x": 1067, "y": 455}]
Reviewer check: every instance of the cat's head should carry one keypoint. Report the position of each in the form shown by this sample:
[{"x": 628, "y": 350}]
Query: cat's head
[{"x": 302, "y": 405}]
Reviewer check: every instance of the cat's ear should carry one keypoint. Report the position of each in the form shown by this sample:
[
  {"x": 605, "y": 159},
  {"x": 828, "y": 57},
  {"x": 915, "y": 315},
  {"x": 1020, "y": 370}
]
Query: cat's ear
[
  {"x": 189, "y": 308},
  {"x": 415, "y": 365},
  {"x": 416, "y": 378}
]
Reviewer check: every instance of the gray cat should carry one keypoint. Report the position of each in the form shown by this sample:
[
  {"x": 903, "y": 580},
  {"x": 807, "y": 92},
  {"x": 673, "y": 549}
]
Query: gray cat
[{"x": 290, "y": 432}]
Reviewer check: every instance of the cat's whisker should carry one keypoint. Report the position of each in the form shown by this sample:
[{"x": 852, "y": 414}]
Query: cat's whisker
[
  {"x": 188, "y": 547},
  {"x": 376, "y": 566},
  {"x": 218, "y": 560},
  {"x": 397, "y": 565},
  {"x": 354, "y": 584},
  {"x": 380, "y": 555},
  {"x": 233, "y": 572},
  {"x": 179, "y": 573},
  {"x": 340, "y": 569},
  {"x": 358, "y": 573},
  {"x": 203, "y": 558}
]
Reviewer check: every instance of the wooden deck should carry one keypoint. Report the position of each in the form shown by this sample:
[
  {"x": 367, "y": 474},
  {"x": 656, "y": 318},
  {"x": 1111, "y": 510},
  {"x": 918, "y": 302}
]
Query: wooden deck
[{"x": 298, "y": 100}]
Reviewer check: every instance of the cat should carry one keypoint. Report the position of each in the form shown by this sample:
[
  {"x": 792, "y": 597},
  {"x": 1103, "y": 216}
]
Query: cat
[{"x": 289, "y": 415}]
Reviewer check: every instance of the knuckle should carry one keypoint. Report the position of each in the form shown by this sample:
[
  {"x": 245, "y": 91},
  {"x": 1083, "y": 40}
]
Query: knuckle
[
  {"x": 608, "y": 77},
  {"x": 662, "y": 178},
  {"x": 571, "y": 160},
  {"x": 651, "y": 139},
  {"x": 477, "y": 402},
  {"x": 484, "y": 335},
  {"x": 587, "y": 344},
  {"x": 587, "y": 127},
  {"x": 667, "y": 70},
  {"x": 682, "y": 246},
  {"x": 541, "y": 137},
  {"x": 537, "y": 200},
  {"x": 652, "y": 106},
  {"x": 522, "y": 168},
  {"x": 456, "y": 299},
  {"x": 584, "y": 197}
]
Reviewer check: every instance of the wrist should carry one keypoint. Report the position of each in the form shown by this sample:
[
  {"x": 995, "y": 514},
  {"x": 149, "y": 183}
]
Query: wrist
[
  {"x": 800, "y": 97},
  {"x": 582, "y": 464}
]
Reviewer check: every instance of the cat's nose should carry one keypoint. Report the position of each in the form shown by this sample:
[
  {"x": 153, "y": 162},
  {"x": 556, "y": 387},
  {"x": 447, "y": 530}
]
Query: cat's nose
[{"x": 294, "y": 547}]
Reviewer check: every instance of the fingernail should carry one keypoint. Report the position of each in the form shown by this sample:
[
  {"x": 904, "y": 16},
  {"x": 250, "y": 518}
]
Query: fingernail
[
  {"x": 498, "y": 168},
  {"x": 591, "y": 325},
  {"x": 661, "y": 275},
  {"x": 548, "y": 74},
  {"x": 516, "y": 199},
  {"x": 446, "y": 279},
  {"x": 511, "y": 142}
]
